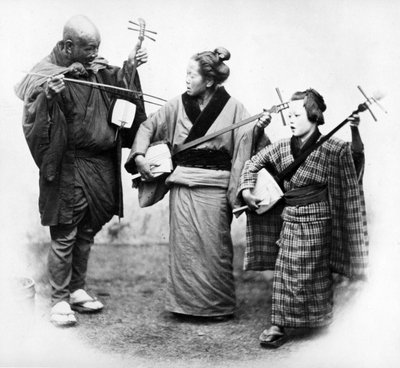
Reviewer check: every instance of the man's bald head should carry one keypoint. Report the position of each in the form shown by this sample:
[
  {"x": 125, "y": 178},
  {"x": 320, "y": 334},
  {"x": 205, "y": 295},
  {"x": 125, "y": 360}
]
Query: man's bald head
[
  {"x": 81, "y": 40},
  {"x": 80, "y": 28}
]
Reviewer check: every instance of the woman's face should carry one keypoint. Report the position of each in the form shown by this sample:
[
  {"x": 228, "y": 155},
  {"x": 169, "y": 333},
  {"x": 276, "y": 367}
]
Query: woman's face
[
  {"x": 196, "y": 84},
  {"x": 299, "y": 124}
]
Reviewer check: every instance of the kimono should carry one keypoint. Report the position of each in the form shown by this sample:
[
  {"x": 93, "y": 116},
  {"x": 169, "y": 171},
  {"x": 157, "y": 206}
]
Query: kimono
[
  {"x": 309, "y": 239},
  {"x": 202, "y": 191},
  {"x": 76, "y": 149}
]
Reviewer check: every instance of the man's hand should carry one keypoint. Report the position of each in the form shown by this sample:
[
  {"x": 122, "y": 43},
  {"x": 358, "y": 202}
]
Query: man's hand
[
  {"x": 140, "y": 55},
  {"x": 250, "y": 199},
  {"x": 54, "y": 86},
  {"x": 77, "y": 70}
]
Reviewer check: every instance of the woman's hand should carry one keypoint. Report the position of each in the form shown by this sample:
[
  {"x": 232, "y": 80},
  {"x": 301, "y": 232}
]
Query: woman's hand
[
  {"x": 250, "y": 199},
  {"x": 264, "y": 120},
  {"x": 143, "y": 168}
]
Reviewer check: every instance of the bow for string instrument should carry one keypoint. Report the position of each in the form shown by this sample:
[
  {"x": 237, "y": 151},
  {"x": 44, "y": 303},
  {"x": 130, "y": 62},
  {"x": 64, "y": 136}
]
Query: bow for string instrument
[
  {"x": 122, "y": 111},
  {"x": 159, "y": 155},
  {"x": 268, "y": 187},
  {"x": 112, "y": 90}
]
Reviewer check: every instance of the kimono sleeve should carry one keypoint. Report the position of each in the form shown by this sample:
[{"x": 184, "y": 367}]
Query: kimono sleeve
[
  {"x": 349, "y": 254},
  {"x": 243, "y": 143},
  {"x": 262, "y": 159},
  {"x": 157, "y": 127},
  {"x": 44, "y": 126}
]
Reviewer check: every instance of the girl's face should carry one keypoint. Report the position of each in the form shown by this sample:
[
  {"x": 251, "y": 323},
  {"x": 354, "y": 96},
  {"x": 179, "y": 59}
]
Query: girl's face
[
  {"x": 299, "y": 124},
  {"x": 196, "y": 84}
]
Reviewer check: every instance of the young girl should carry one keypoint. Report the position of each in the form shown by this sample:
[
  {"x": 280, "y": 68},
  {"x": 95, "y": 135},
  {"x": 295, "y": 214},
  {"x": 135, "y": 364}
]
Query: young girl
[{"x": 322, "y": 228}]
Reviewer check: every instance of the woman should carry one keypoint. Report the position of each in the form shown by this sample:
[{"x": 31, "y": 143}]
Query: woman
[
  {"x": 202, "y": 186},
  {"x": 322, "y": 230}
]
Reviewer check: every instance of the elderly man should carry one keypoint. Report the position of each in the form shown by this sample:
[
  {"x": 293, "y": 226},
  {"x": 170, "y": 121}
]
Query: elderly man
[{"x": 78, "y": 153}]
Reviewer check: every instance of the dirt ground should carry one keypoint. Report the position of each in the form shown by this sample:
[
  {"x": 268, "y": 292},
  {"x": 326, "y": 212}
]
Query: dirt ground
[{"x": 130, "y": 280}]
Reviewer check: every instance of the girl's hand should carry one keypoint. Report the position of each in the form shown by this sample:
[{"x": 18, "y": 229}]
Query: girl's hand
[{"x": 250, "y": 199}]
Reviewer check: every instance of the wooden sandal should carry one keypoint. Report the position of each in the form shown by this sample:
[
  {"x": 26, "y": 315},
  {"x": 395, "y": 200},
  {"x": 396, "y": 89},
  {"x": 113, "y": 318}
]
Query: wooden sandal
[
  {"x": 61, "y": 315},
  {"x": 82, "y": 302},
  {"x": 274, "y": 337}
]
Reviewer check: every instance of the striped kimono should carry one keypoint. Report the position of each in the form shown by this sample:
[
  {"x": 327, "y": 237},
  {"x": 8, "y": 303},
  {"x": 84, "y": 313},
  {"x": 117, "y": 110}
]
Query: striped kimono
[
  {"x": 306, "y": 243},
  {"x": 200, "y": 280}
]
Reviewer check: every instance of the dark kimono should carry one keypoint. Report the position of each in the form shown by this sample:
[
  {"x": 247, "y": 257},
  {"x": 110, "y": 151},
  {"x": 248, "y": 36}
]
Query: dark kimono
[
  {"x": 306, "y": 243},
  {"x": 76, "y": 149}
]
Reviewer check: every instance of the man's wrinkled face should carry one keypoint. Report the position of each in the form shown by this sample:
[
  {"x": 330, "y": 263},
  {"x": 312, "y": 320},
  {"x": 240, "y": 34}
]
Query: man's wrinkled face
[{"x": 85, "y": 50}]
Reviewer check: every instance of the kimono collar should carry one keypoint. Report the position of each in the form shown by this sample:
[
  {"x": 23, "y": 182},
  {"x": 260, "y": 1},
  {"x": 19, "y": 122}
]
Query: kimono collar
[
  {"x": 202, "y": 120},
  {"x": 295, "y": 143}
]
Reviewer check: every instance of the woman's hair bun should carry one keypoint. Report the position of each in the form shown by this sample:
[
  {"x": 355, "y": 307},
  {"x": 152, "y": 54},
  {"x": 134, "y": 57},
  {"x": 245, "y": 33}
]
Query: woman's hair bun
[{"x": 222, "y": 53}]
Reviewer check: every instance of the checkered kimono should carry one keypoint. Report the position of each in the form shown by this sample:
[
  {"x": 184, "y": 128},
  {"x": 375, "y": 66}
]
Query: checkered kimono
[{"x": 304, "y": 244}]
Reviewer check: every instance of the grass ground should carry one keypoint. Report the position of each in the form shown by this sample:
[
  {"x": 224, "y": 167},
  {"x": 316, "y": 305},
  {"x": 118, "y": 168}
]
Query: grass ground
[
  {"x": 132, "y": 286},
  {"x": 130, "y": 280}
]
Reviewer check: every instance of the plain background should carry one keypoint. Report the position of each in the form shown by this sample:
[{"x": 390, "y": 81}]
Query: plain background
[{"x": 332, "y": 46}]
